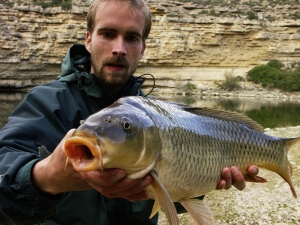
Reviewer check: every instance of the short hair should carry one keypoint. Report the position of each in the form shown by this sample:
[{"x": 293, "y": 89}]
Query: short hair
[{"x": 141, "y": 5}]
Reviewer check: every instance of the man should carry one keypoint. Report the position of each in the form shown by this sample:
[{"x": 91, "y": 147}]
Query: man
[{"x": 36, "y": 187}]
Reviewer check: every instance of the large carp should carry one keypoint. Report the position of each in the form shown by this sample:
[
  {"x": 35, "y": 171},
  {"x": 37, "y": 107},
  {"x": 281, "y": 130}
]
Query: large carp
[{"x": 184, "y": 148}]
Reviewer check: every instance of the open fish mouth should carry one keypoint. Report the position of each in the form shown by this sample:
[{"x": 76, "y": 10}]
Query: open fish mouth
[{"x": 84, "y": 152}]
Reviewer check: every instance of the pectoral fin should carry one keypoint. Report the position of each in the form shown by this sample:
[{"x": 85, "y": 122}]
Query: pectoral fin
[
  {"x": 199, "y": 211},
  {"x": 255, "y": 179},
  {"x": 164, "y": 200}
]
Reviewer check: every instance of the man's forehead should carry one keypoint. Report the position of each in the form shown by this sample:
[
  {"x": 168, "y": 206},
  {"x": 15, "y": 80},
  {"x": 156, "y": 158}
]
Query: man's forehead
[{"x": 113, "y": 14}]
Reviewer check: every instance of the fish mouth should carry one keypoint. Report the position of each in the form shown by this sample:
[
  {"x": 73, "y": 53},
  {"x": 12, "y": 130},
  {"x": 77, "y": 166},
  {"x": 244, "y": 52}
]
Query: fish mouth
[{"x": 84, "y": 153}]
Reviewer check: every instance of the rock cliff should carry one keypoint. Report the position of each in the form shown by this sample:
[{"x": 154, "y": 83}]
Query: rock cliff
[{"x": 189, "y": 42}]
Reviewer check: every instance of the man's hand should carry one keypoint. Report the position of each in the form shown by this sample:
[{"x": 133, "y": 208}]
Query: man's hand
[
  {"x": 113, "y": 183},
  {"x": 233, "y": 176},
  {"x": 52, "y": 176}
]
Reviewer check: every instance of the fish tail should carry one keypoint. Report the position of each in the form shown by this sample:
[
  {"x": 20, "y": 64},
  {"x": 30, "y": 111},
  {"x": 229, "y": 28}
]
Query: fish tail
[
  {"x": 286, "y": 175},
  {"x": 288, "y": 169}
]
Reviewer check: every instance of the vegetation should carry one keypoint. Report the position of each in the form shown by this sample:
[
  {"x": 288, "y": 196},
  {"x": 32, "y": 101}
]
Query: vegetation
[
  {"x": 283, "y": 115},
  {"x": 295, "y": 16},
  {"x": 64, "y": 4},
  {"x": 251, "y": 15},
  {"x": 231, "y": 82},
  {"x": 235, "y": 2},
  {"x": 245, "y": 9},
  {"x": 278, "y": 115},
  {"x": 272, "y": 75},
  {"x": 190, "y": 87},
  {"x": 212, "y": 12}
]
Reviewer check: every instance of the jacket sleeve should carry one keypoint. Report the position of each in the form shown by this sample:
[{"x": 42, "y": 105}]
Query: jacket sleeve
[{"x": 35, "y": 122}]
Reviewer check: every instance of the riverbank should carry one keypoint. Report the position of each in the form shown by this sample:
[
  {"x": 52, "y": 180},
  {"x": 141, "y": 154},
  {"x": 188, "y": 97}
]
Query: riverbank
[
  {"x": 249, "y": 90},
  {"x": 258, "y": 204}
]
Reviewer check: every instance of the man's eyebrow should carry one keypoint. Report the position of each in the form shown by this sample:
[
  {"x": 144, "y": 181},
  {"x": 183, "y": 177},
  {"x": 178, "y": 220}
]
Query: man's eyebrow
[{"x": 106, "y": 29}]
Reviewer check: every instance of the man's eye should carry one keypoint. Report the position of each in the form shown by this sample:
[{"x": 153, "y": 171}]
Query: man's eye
[
  {"x": 107, "y": 35},
  {"x": 133, "y": 38}
]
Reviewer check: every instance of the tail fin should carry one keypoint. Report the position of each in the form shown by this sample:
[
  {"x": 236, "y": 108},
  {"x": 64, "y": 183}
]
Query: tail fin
[{"x": 288, "y": 170}]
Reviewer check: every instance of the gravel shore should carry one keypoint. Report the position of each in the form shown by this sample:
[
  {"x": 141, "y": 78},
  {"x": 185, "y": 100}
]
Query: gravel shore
[{"x": 270, "y": 203}]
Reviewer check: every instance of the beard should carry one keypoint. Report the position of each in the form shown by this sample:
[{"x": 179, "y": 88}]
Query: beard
[{"x": 114, "y": 80}]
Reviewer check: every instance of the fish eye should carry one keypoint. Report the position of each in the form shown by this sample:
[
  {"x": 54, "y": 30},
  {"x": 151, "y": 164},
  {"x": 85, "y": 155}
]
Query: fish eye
[{"x": 126, "y": 125}]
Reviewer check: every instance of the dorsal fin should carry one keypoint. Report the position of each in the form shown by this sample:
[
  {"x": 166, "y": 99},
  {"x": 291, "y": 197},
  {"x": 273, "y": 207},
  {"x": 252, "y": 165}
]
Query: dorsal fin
[{"x": 224, "y": 115}]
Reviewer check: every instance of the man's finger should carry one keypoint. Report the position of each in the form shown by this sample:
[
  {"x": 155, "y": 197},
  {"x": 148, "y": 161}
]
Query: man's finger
[
  {"x": 253, "y": 170},
  {"x": 238, "y": 178},
  {"x": 104, "y": 178},
  {"x": 226, "y": 175}
]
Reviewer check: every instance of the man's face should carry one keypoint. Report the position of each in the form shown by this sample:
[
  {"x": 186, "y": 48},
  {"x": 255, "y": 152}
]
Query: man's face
[{"x": 116, "y": 44}]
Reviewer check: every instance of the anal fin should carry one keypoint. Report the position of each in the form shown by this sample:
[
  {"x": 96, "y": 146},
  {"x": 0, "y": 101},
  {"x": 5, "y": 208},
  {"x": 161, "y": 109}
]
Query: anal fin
[
  {"x": 199, "y": 211},
  {"x": 155, "y": 209}
]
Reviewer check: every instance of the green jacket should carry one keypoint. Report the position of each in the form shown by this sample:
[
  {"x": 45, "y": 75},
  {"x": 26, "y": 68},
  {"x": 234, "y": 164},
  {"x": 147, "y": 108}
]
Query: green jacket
[{"x": 42, "y": 119}]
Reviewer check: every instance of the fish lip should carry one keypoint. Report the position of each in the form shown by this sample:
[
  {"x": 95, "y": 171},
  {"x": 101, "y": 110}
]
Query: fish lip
[{"x": 84, "y": 152}]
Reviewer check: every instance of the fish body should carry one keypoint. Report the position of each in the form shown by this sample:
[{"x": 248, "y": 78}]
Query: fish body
[{"x": 184, "y": 148}]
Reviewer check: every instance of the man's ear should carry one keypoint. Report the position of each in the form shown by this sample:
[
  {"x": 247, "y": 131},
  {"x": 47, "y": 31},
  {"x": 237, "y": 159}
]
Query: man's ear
[
  {"x": 143, "y": 50},
  {"x": 88, "y": 40}
]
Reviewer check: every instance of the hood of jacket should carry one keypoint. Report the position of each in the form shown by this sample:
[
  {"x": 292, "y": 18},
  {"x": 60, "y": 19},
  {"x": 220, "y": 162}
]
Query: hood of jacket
[{"x": 76, "y": 70}]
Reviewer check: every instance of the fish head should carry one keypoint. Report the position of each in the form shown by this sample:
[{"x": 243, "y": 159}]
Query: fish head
[{"x": 120, "y": 136}]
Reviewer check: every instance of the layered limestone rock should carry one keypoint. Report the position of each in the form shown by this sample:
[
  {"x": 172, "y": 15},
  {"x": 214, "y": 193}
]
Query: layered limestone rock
[{"x": 189, "y": 43}]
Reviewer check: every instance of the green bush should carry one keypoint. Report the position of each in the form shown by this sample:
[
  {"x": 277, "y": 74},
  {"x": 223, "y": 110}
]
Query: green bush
[
  {"x": 66, "y": 5},
  {"x": 212, "y": 12},
  {"x": 272, "y": 76},
  {"x": 43, "y": 4},
  {"x": 231, "y": 82},
  {"x": 265, "y": 75},
  {"x": 251, "y": 15},
  {"x": 189, "y": 86},
  {"x": 291, "y": 81},
  {"x": 275, "y": 63},
  {"x": 56, "y": 2}
]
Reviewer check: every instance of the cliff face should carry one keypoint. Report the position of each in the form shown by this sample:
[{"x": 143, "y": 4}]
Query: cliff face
[{"x": 189, "y": 42}]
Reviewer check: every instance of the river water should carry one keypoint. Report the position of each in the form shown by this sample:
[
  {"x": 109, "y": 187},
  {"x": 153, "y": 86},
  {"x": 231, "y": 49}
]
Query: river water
[
  {"x": 259, "y": 204},
  {"x": 270, "y": 112}
]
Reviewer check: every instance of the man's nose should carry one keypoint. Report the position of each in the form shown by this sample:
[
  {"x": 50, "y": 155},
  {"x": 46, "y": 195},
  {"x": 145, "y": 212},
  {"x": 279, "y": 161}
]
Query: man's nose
[{"x": 119, "y": 47}]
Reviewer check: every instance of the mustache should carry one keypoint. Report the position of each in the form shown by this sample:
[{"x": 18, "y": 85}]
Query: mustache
[{"x": 116, "y": 60}]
